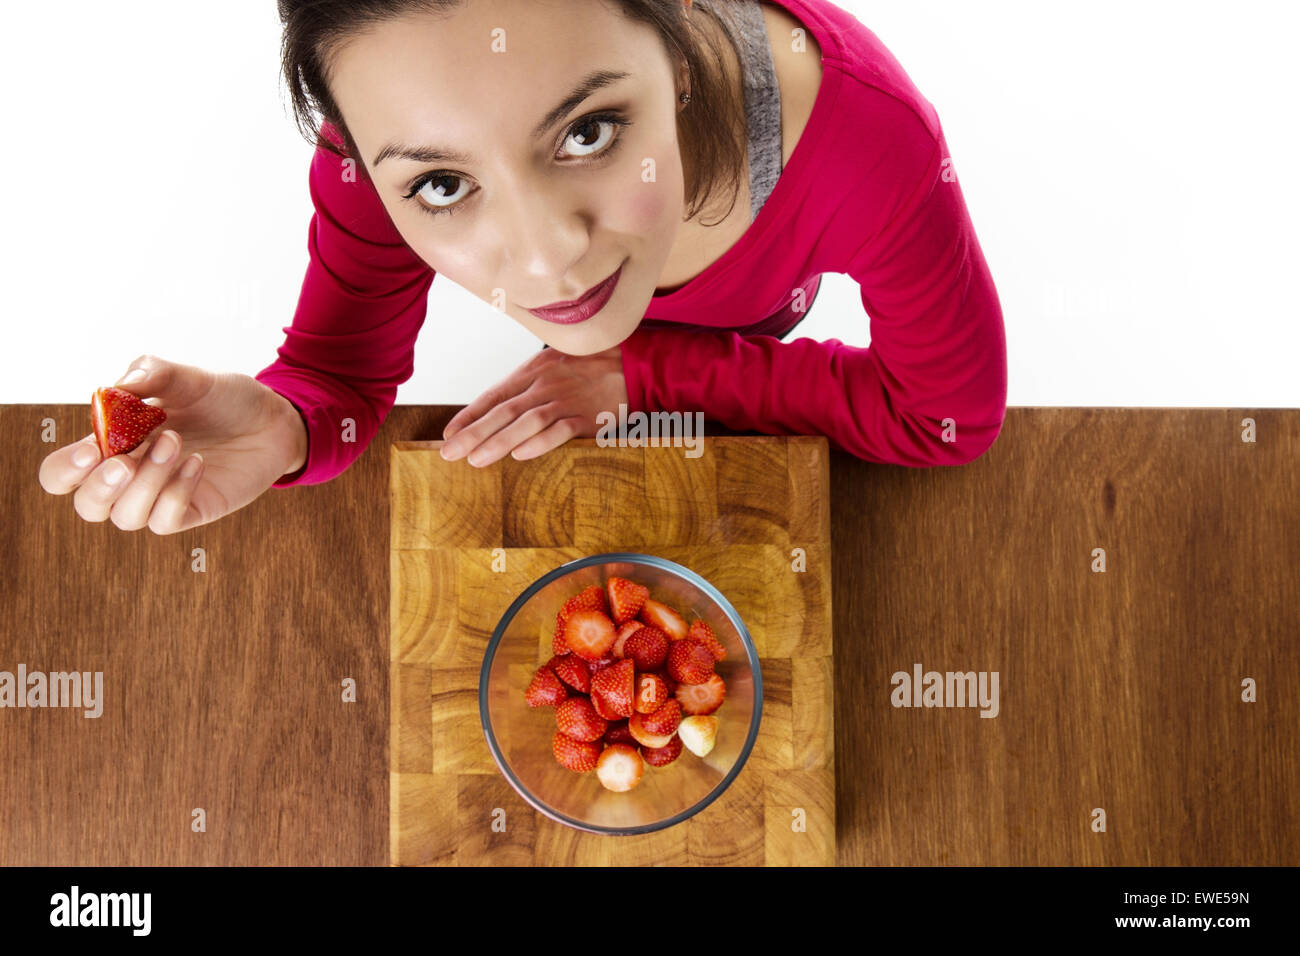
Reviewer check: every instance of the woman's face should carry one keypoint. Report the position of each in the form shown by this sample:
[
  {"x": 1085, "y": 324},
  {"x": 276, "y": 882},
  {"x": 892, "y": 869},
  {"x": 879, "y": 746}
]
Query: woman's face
[{"x": 524, "y": 217}]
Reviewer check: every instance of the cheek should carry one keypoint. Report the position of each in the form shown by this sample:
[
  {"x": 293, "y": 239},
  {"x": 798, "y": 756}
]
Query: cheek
[{"x": 647, "y": 208}]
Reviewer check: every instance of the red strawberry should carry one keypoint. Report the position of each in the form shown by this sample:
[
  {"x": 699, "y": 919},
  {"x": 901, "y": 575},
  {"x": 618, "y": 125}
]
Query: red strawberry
[
  {"x": 702, "y": 698},
  {"x": 576, "y": 718},
  {"x": 572, "y": 671},
  {"x": 596, "y": 666},
  {"x": 619, "y": 734},
  {"x": 625, "y": 598},
  {"x": 577, "y": 755},
  {"x": 614, "y": 684},
  {"x": 591, "y": 598},
  {"x": 589, "y": 633},
  {"x": 601, "y": 707},
  {"x": 121, "y": 420},
  {"x": 667, "y": 679},
  {"x": 648, "y": 647},
  {"x": 663, "y": 756},
  {"x": 545, "y": 689},
  {"x": 651, "y": 692},
  {"x": 558, "y": 646},
  {"x": 636, "y": 727},
  {"x": 625, "y": 630},
  {"x": 662, "y": 721},
  {"x": 689, "y": 661},
  {"x": 704, "y": 634},
  {"x": 619, "y": 767},
  {"x": 664, "y": 618}
]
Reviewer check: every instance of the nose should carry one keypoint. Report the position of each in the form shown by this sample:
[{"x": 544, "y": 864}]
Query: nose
[{"x": 546, "y": 234}]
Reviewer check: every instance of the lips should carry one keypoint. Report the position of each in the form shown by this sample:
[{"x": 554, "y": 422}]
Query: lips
[{"x": 582, "y": 308}]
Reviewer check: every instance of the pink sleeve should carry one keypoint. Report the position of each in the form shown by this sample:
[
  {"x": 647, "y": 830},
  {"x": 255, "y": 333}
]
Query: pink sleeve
[
  {"x": 352, "y": 341},
  {"x": 937, "y": 352}
]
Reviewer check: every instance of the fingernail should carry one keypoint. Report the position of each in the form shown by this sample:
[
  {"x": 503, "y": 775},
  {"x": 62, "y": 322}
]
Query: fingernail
[
  {"x": 133, "y": 376},
  {"x": 191, "y": 467},
  {"x": 114, "y": 472},
  {"x": 163, "y": 449},
  {"x": 84, "y": 455},
  {"x": 450, "y": 451}
]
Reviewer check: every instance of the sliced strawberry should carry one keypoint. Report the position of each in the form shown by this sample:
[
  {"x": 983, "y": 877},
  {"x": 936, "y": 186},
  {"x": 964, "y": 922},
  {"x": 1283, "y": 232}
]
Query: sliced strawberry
[
  {"x": 577, "y": 755},
  {"x": 619, "y": 734},
  {"x": 663, "y": 756},
  {"x": 667, "y": 679},
  {"x": 648, "y": 648},
  {"x": 625, "y": 598},
  {"x": 601, "y": 707},
  {"x": 577, "y": 718},
  {"x": 664, "y": 618},
  {"x": 689, "y": 661},
  {"x": 704, "y": 634},
  {"x": 698, "y": 734},
  {"x": 625, "y": 630},
  {"x": 651, "y": 692},
  {"x": 558, "y": 646},
  {"x": 572, "y": 671},
  {"x": 702, "y": 698},
  {"x": 590, "y": 598},
  {"x": 121, "y": 420},
  {"x": 598, "y": 665},
  {"x": 619, "y": 767},
  {"x": 636, "y": 727},
  {"x": 546, "y": 690},
  {"x": 662, "y": 721},
  {"x": 589, "y": 633},
  {"x": 615, "y": 685}
]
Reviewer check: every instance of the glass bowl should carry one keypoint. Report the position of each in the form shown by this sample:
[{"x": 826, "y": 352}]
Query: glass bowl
[{"x": 520, "y": 736}]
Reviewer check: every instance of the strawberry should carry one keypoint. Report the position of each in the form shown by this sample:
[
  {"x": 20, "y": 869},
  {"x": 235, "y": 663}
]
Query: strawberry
[
  {"x": 598, "y": 665},
  {"x": 667, "y": 679},
  {"x": 545, "y": 689},
  {"x": 591, "y": 598},
  {"x": 558, "y": 646},
  {"x": 615, "y": 685},
  {"x": 601, "y": 707},
  {"x": 589, "y": 633},
  {"x": 572, "y": 671},
  {"x": 619, "y": 767},
  {"x": 689, "y": 662},
  {"x": 636, "y": 727},
  {"x": 662, "y": 721},
  {"x": 698, "y": 734},
  {"x": 651, "y": 692},
  {"x": 577, "y": 755},
  {"x": 121, "y": 420},
  {"x": 625, "y": 598},
  {"x": 625, "y": 630},
  {"x": 664, "y": 618},
  {"x": 663, "y": 756},
  {"x": 576, "y": 718},
  {"x": 704, "y": 634},
  {"x": 702, "y": 698},
  {"x": 648, "y": 648},
  {"x": 619, "y": 734}
]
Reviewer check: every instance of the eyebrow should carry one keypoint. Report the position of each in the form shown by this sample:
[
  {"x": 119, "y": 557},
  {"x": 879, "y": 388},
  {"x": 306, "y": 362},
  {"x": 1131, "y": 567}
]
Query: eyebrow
[{"x": 596, "y": 80}]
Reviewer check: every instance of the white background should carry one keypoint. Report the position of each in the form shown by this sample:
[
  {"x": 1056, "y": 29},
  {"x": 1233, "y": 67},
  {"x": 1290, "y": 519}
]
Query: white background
[{"x": 1127, "y": 166}]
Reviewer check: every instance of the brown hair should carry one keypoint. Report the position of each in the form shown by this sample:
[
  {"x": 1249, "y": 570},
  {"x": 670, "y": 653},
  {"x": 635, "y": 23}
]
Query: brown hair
[{"x": 711, "y": 129}]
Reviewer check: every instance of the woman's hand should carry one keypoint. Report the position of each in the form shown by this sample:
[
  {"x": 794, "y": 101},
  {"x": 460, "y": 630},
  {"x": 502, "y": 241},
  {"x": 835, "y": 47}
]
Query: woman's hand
[
  {"x": 247, "y": 436},
  {"x": 542, "y": 404}
]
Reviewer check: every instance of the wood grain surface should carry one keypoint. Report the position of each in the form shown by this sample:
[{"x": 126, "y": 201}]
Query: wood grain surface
[
  {"x": 1119, "y": 690},
  {"x": 467, "y": 542}
]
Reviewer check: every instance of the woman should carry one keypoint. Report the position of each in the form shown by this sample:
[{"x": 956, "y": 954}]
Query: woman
[{"x": 542, "y": 153}]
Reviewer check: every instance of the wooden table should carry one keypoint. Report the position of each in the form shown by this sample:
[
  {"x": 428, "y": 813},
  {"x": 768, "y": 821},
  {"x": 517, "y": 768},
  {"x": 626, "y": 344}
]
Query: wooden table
[{"x": 1118, "y": 690}]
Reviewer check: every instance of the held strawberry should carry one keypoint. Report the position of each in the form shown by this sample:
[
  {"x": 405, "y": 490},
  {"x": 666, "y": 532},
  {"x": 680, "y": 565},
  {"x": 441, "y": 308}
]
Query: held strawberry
[
  {"x": 576, "y": 755},
  {"x": 625, "y": 598},
  {"x": 589, "y": 633},
  {"x": 121, "y": 420},
  {"x": 664, "y": 618},
  {"x": 702, "y": 698}
]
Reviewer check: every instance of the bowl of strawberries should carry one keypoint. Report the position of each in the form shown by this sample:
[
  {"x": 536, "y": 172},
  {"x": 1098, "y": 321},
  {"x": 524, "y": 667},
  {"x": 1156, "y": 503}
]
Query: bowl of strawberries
[{"x": 620, "y": 693}]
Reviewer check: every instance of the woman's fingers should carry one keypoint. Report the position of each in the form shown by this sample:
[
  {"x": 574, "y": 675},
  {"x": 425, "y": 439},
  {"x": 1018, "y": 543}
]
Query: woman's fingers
[
  {"x": 175, "y": 510},
  {"x": 516, "y": 383},
  {"x": 132, "y": 507},
  {"x": 549, "y": 438},
  {"x": 65, "y": 468},
  {"x": 509, "y": 429}
]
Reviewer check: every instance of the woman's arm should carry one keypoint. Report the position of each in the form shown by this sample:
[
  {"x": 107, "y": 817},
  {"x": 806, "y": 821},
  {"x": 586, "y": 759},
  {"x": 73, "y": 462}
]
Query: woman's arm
[
  {"x": 352, "y": 341},
  {"x": 937, "y": 352}
]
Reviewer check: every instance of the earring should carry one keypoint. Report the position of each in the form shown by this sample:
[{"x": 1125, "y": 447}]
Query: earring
[{"x": 685, "y": 98}]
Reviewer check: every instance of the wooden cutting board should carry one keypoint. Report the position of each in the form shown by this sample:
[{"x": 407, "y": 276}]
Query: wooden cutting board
[{"x": 744, "y": 514}]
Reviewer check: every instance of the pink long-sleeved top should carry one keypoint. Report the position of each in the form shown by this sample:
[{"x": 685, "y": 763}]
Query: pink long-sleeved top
[{"x": 870, "y": 190}]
